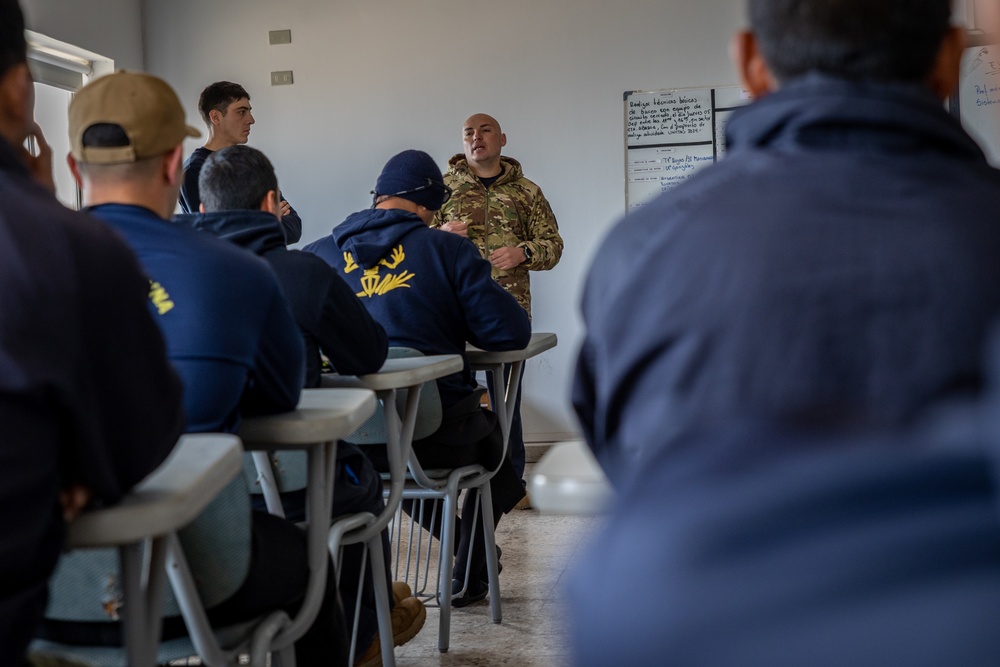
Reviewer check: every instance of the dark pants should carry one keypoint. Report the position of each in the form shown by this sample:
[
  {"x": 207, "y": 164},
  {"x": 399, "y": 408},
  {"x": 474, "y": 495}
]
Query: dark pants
[
  {"x": 279, "y": 572},
  {"x": 468, "y": 434},
  {"x": 516, "y": 442}
]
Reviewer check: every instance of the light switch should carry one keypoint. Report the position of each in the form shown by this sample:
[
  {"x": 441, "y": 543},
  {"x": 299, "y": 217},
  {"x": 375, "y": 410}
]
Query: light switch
[{"x": 283, "y": 78}]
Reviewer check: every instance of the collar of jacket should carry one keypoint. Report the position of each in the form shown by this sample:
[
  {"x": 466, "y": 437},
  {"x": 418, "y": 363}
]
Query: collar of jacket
[
  {"x": 257, "y": 231},
  {"x": 370, "y": 235},
  {"x": 459, "y": 167},
  {"x": 821, "y": 111}
]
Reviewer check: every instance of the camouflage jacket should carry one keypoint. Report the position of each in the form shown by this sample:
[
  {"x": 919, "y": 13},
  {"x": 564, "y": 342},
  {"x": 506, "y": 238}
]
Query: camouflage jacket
[{"x": 511, "y": 212}]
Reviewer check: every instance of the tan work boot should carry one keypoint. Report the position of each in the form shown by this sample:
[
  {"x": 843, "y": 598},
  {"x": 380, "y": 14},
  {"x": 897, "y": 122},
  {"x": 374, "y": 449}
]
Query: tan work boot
[
  {"x": 408, "y": 618},
  {"x": 400, "y": 591}
]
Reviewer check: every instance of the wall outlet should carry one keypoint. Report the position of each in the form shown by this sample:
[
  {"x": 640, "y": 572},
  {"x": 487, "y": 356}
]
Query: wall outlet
[
  {"x": 279, "y": 37},
  {"x": 283, "y": 78}
]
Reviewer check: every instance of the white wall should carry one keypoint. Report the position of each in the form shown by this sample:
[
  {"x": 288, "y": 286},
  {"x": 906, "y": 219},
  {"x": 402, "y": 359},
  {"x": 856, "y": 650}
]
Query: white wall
[
  {"x": 373, "y": 77},
  {"x": 111, "y": 28}
]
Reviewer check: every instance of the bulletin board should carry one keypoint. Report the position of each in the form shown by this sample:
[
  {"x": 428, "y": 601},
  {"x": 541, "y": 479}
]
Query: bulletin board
[
  {"x": 978, "y": 101},
  {"x": 671, "y": 134}
]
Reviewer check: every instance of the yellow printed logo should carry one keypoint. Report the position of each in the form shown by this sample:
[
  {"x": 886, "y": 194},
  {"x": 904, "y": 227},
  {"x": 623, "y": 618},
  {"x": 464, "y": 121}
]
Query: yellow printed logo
[
  {"x": 374, "y": 284},
  {"x": 160, "y": 298}
]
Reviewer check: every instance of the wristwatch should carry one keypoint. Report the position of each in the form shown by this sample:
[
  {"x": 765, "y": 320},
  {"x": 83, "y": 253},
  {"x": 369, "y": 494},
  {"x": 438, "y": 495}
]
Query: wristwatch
[{"x": 527, "y": 253}]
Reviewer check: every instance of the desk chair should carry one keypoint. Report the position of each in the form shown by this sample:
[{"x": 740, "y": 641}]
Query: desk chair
[
  {"x": 443, "y": 486},
  {"x": 322, "y": 417},
  {"x": 93, "y": 581},
  {"x": 410, "y": 407},
  {"x": 220, "y": 535}
]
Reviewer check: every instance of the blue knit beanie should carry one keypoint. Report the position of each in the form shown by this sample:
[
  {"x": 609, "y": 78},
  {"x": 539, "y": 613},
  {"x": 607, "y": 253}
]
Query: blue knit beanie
[{"x": 414, "y": 176}]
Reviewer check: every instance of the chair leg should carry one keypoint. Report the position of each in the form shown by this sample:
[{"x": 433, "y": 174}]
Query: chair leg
[
  {"x": 446, "y": 564},
  {"x": 382, "y": 609},
  {"x": 352, "y": 655},
  {"x": 489, "y": 537}
]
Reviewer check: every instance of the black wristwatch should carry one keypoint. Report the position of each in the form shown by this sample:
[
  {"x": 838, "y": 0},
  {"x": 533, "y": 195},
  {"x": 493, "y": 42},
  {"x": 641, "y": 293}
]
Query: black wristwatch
[{"x": 527, "y": 253}]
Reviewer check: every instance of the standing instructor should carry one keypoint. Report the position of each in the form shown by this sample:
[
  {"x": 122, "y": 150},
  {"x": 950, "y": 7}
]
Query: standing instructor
[{"x": 507, "y": 217}]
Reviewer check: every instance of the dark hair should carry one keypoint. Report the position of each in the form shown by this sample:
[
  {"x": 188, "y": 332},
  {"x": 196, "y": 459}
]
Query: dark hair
[
  {"x": 236, "y": 178},
  {"x": 219, "y": 96},
  {"x": 13, "y": 46},
  {"x": 881, "y": 40}
]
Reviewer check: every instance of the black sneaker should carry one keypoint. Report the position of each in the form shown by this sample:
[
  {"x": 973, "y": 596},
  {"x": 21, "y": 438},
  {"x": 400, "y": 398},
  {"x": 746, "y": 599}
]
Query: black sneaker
[{"x": 477, "y": 591}]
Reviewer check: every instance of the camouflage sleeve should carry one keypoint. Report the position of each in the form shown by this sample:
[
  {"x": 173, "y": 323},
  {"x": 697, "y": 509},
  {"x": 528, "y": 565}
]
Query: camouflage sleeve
[
  {"x": 544, "y": 241},
  {"x": 447, "y": 211},
  {"x": 439, "y": 218}
]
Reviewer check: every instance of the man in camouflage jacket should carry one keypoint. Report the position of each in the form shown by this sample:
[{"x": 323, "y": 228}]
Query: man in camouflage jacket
[
  {"x": 498, "y": 209},
  {"x": 509, "y": 220}
]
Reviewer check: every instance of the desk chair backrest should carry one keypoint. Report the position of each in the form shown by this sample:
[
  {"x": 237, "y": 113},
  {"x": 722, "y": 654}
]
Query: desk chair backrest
[
  {"x": 85, "y": 586},
  {"x": 372, "y": 432},
  {"x": 289, "y": 468}
]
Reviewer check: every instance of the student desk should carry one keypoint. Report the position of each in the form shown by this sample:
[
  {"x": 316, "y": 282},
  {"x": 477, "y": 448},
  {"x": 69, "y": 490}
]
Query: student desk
[
  {"x": 168, "y": 499},
  {"x": 493, "y": 363},
  {"x": 405, "y": 373},
  {"x": 409, "y": 373},
  {"x": 322, "y": 417}
]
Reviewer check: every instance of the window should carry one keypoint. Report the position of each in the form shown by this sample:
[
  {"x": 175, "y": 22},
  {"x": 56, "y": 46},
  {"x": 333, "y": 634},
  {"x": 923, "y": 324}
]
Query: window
[{"x": 60, "y": 70}]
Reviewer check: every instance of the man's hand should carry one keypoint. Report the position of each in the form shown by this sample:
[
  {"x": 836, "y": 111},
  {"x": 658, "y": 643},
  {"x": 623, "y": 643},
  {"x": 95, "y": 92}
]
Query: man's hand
[
  {"x": 456, "y": 227},
  {"x": 284, "y": 208},
  {"x": 73, "y": 499},
  {"x": 40, "y": 166},
  {"x": 508, "y": 257}
]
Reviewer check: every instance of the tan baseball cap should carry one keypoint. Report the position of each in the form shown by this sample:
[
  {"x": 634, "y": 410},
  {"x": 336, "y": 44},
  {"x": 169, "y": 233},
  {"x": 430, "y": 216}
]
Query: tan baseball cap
[{"x": 144, "y": 107}]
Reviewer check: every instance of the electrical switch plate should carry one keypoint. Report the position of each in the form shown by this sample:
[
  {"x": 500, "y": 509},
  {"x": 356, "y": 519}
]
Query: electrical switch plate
[
  {"x": 279, "y": 37},
  {"x": 283, "y": 78}
]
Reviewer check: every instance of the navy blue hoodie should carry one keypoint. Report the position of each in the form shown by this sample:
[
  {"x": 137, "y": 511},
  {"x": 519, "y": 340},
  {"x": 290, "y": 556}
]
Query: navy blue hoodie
[
  {"x": 431, "y": 290},
  {"x": 841, "y": 262},
  {"x": 227, "y": 325},
  {"x": 331, "y": 317}
]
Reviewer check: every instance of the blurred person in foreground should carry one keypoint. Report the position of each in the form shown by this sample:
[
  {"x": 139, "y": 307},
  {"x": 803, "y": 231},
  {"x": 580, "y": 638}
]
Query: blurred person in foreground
[
  {"x": 838, "y": 266},
  {"x": 88, "y": 401}
]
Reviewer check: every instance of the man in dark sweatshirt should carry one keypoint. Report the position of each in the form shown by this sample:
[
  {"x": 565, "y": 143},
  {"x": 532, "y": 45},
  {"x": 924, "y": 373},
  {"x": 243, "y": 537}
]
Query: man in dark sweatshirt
[
  {"x": 229, "y": 333},
  {"x": 433, "y": 292},
  {"x": 88, "y": 401},
  {"x": 239, "y": 191},
  {"x": 225, "y": 108}
]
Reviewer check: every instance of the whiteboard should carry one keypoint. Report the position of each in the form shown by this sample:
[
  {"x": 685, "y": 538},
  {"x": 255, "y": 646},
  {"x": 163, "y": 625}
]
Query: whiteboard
[
  {"x": 978, "y": 103},
  {"x": 671, "y": 134}
]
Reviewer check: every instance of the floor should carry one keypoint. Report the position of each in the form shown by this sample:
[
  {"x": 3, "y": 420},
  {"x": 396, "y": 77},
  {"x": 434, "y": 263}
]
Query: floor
[{"x": 536, "y": 552}]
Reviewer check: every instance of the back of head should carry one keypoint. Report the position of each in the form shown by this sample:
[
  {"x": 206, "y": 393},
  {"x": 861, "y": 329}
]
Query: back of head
[
  {"x": 236, "y": 178},
  {"x": 13, "y": 46},
  {"x": 414, "y": 176},
  {"x": 876, "y": 40},
  {"x": 125, "y": 118},
  {"x": 218, "y": 96}
]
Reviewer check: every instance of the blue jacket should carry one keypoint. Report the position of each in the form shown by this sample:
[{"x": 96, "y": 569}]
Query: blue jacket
[
  {"x": 87, "y": 395},
  {"x": 190, "y": 195},
  {"x": 840, "y": 263},
  {"x": 430, "y": 289},
  {"x": 229, "y": 331},
  {"x": 332, "y": 319}
]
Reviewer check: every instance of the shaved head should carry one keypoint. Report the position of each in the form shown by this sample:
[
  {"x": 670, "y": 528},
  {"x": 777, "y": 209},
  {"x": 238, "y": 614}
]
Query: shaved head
[{"x": 480, "y": 119}]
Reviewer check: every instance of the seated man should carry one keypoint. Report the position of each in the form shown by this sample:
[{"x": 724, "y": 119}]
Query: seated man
[
  {"x": 227, "y": 325},
  {"x": 839, "y": 262},
  {"x": 239, "y": 193},
  {"x": 88, "y": 401},
  {"x": 225, "y": 108},
  {"x": 433, "y": 292}
]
